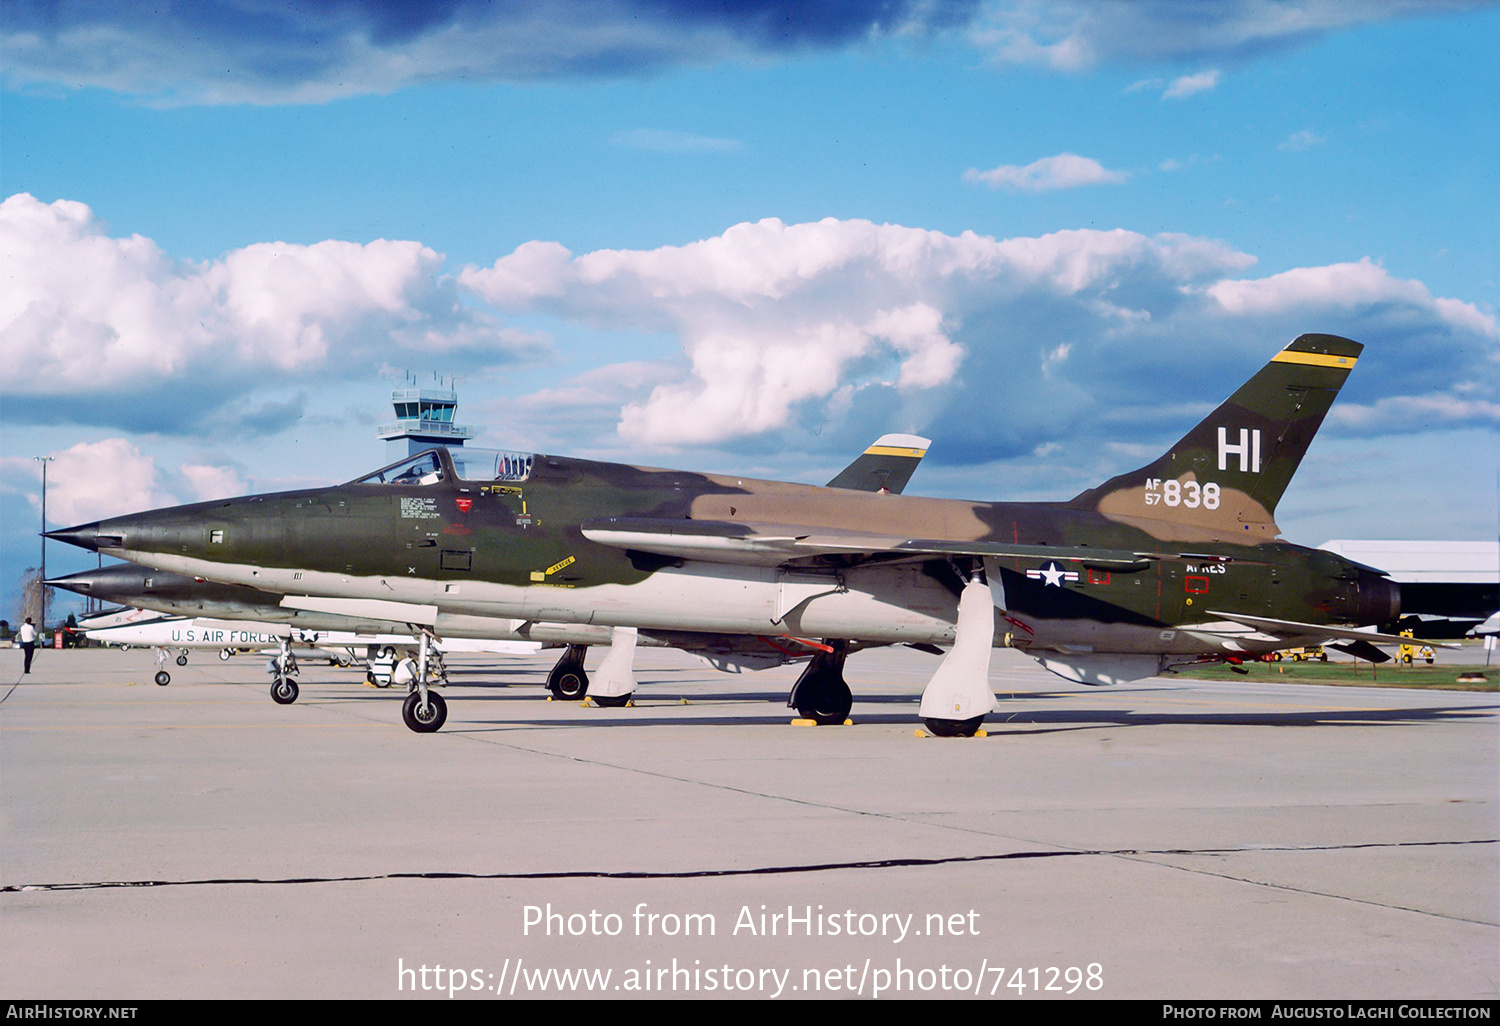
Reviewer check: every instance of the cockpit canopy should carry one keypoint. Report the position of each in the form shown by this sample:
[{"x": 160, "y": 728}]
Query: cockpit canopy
[
  {"x": 468, "y": 464},
  {"x": 491, "y": 464}
]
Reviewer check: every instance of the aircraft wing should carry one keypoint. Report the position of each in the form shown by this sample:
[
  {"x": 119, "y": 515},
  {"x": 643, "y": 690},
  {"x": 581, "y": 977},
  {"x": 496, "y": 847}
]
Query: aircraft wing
[
  {"x": 723, "y": 541},
  {"x": 1312, "y": 633}
]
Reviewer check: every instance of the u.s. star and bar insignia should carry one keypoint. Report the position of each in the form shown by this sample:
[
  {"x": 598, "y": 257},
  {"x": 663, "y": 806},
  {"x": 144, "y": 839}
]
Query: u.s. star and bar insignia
[{"x": 1053, "y": 574}]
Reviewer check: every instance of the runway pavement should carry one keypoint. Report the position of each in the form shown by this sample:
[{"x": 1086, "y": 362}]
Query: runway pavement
[{"x": 1168, "y": 839}]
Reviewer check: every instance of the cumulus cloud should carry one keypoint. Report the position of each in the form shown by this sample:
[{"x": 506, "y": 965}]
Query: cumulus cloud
[
  {"x": 277, "y": 51},
  {"x": 1089, "y": 340},
  {"x": 1187, "y": 85},
  {"x": 1064, "y": 171},
  {"x": 1070, "y": 35},
  {"x": 775, "y": 319},
  {"x": 826, "y": 334},
  {"x": 1404, "y": 413},
  {"x": 207, "y": 481},
  {"x": 109, "y": 330},
  {"x": 1364, "y": 286},
  {"x": 94, "y": 480}
]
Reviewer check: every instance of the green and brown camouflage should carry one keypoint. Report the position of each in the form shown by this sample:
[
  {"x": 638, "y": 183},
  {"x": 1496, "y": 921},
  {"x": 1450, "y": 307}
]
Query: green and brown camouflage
[
  {"x": 1222, "y": 480},
  {"x": 885, "y": 466},
  {"x": 1178, "y": 561}
]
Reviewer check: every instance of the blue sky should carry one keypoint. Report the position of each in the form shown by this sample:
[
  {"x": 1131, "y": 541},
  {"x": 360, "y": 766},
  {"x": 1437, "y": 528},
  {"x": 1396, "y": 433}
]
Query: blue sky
[{"x": 1048, "y": 235}]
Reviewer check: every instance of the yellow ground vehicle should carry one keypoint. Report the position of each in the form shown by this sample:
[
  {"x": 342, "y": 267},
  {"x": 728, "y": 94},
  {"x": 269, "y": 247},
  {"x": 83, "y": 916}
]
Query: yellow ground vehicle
[
  {"x": 1301, "y": 655},
  {"x": 1408, "y": 654}
]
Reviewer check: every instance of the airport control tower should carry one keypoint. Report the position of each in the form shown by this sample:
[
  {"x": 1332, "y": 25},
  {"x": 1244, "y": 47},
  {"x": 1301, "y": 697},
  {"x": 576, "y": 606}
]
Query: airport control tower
[{"x": 424, "y": 418}]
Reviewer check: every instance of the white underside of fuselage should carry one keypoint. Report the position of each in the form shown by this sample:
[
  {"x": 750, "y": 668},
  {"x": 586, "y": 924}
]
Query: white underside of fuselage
[{"x": 878, "y": 605}]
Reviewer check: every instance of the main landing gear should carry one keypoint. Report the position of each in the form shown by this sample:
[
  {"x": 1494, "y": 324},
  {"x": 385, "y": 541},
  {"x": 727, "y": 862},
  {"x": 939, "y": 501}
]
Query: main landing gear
[
  {"x": 614, "y": 681},
  {"x": 820, "y": 694},
  {"x": 567, "y": 681},
  {"x": 958, "y": 696}
]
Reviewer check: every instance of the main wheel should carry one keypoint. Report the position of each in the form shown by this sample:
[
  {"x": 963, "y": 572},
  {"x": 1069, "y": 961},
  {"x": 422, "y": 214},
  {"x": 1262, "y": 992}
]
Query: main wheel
[
  {"x": 163, "y": 678},
  {"x": 284, "y": 691},
  {"x": 954, "y": 728},
  {"x": 182, "y": 659},
  {"x": 224, "y": 654},
  {"x": 568, "y": 682},
  {"x": 613, "y": 701},
  {"x": 825, "y": 700},
  {"x": 424, "y": 721}
]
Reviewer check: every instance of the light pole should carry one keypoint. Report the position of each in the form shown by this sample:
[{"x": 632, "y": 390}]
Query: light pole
[{"x": 44, "y": 460}]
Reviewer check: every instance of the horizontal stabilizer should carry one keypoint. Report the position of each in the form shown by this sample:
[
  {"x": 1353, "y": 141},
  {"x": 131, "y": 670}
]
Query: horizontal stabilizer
[
  {"x": 1363, "y": 650},
  {"x": 1301, "y": 632}
]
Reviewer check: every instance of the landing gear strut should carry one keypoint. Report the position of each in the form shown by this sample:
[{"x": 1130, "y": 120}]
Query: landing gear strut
[
  {"x": 820, "y": 694},
  {"x": 958, "y": 696},
  {"x": 614, "y": 681},
  {"x": 424, "y": 710},
  {"x": 567, "y": 681},
  {"x": 284, "y": 666}
]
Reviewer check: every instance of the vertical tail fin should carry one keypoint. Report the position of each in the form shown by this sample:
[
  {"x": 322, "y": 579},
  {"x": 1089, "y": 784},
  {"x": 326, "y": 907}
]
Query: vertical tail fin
[
  {"x": 1229, "y": 472},
  {"x": 885, "y": 466}
]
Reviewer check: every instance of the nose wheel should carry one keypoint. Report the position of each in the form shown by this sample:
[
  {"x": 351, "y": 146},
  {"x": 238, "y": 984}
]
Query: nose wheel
[
  {"x": 283, "y": 665},
  {"x": 424, "y": 719}
]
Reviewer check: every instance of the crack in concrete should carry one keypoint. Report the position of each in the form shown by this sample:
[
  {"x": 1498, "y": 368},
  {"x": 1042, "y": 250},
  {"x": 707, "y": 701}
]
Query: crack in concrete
[{"x": 821, "y": 867}]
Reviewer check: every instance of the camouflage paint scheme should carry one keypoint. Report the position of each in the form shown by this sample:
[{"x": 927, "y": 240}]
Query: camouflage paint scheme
[
  {"x": 1176, "y": 561},
  {"x": 885, "y": 466}
]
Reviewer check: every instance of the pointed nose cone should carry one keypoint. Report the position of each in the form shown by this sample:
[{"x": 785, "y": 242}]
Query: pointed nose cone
[
  {"x": 85, "y": 536},
  {"x": 83, "y": 583},
  {"x": 153, "y": 531}
]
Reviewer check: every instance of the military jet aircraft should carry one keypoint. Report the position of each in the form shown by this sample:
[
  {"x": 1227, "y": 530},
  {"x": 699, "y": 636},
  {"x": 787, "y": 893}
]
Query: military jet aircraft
[
  {"x": 191, "y": 611},
  {"x": 1176, "y": 562},
  {"x": 165, "y": 632}
]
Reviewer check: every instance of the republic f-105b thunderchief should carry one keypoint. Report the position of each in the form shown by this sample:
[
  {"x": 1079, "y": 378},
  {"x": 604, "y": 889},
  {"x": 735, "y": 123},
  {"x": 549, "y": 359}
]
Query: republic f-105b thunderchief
[
  {"x": 1177, "y": 562},
  {"x": 201, "y": 605}
]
